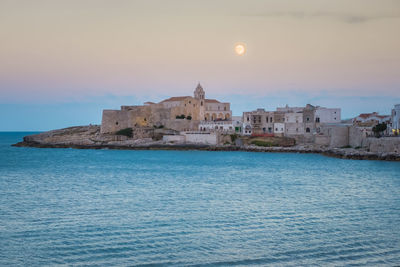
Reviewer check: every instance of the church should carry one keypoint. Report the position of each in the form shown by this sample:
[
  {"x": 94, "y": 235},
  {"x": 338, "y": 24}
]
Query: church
[{"x": 178, "y": 113}]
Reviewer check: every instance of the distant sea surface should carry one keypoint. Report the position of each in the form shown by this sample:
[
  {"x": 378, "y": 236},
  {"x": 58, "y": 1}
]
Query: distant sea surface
[{"x": 182, "y": 208}]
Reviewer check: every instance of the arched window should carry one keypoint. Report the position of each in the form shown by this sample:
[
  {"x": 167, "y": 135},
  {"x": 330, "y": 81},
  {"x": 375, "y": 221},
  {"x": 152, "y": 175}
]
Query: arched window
[{"x": 307, "y": 130}]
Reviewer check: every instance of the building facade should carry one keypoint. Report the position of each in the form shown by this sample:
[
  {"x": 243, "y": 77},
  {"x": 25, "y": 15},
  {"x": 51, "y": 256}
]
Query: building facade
[
  {"x": 289, "y": 121},
  {"x": 395, "y": 120},
  {"x": 177, "y": 113}
]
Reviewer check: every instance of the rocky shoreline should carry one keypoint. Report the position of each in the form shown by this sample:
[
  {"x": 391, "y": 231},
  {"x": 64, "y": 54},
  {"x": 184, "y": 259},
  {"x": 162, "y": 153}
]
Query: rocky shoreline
[{"x": 89, "y": 137}]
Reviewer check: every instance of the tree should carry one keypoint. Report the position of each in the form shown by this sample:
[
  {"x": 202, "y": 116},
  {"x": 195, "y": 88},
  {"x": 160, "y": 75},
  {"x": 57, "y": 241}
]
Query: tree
[{"x": 379, "y": 128}]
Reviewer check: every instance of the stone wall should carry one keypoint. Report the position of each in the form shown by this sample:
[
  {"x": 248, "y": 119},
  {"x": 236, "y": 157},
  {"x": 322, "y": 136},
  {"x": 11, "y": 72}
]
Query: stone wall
[
  {"x": 384, "y": 144},
  {"x": 201, "y": 138},
  {"x": 357, "y": 137},
  {"x": 333, "y": 135},
  {"x": 174, "y": 138},
  {"x": 113, "y": 120},
  {"x": 144, "y": 116},
  {"x": 339, "y": 136},
  {"x": 182, "y": 124}
]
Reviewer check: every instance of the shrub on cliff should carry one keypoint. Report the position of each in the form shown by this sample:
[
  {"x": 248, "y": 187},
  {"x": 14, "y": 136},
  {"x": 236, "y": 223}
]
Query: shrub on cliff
[
  {"x": 189, "y": 117},
  {"x": 180, "y": 116},
  {"x": 379, "y": 128},
  {"x": 127, "y": 132},
  {"x": 234, "y": 137}
]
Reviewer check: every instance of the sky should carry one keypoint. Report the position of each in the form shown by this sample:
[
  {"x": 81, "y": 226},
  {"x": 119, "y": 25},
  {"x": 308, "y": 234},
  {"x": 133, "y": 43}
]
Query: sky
[{"x": 62, "y": 62}]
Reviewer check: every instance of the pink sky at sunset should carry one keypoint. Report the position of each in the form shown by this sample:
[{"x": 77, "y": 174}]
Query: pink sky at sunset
[{"x": 57, "y": 50}]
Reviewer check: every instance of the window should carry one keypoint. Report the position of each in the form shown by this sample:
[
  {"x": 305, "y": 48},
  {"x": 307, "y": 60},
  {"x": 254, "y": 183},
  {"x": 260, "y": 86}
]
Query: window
[
  {"x": 335, "y": 118},
  {"x": 307, "y": 130},
  {"x": 266, "y": 119},
  {"x": 116, "y": 123},
  {"x": 201, "y": 103},
  {"x": 270, "y": 119},
  {"x": 276, "y": 129},
  {"x": 297, "y": 129},
  {"x": 190, "y": 102},
  {"x": 317, "y": 119},
  {"x": 225, "y": 108},
  {"x": 308, "y": 119},
  {"x": 248, "y": 118}
]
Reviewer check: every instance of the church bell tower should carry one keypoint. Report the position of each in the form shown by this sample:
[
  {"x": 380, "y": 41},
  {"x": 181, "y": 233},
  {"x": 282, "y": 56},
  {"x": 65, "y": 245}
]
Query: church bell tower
[{"x": 199, "y": 92}]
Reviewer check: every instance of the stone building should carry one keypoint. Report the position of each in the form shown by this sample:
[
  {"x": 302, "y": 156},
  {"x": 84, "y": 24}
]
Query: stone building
[
  {"x": 260, "y": 121},
  {"x": 395, "y": 119},
  {"x": 370, "y": 119},
  {"x": 301, "y": 123},
  {"x": 177, "y": 113}
]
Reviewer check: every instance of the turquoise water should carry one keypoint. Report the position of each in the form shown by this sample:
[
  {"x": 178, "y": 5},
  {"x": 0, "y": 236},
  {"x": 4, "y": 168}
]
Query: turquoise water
[{"x": 179, "y": 208}]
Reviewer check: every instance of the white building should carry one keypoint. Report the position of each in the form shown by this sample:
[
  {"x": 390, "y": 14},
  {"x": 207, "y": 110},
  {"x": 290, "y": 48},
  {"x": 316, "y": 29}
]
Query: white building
[
  {"x": 396, "y": 119},
  {"x": 247, "y": 129},
  {"x": 294, "y": 123},
  {"x": 237, "y": 122},
  {"x": 279, "y": 128},
  {"x": 217, "y": 126},
  {"x": 327, "y": 115}
]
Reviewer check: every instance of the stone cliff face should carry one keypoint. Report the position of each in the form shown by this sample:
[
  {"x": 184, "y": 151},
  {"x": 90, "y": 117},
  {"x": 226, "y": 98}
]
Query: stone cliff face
[
  {"x": 149, "y": 138},
  {"x": 84, "y": 135},
  {"x": 91, "y": 137}
]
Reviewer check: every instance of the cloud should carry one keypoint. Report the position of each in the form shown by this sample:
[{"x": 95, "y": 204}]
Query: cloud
[{"x": 347, "y": 18}]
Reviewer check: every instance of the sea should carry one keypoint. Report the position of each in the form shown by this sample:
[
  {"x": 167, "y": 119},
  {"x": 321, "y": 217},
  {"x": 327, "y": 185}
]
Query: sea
[{"x": 76, "y": 207}]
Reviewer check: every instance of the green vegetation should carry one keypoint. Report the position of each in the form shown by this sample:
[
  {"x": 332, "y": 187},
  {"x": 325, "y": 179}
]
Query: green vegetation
[
  {"x": 127, "y": 132},
  {"x": 379, "y": 128},
  {"x": 180, "y": 116},
  {"x": 189, "y": 117},
  {"x": 357, "y": 147},
  {"x": 262, "y": 143},
  {"x": 234, "y": 137},
  {"x": 158, "y": 127},
  {"x": 346, "y": 146}
]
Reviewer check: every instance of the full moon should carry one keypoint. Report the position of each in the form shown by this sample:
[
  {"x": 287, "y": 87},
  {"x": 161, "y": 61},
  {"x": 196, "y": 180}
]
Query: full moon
[{"x": 240, "y": 49}]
